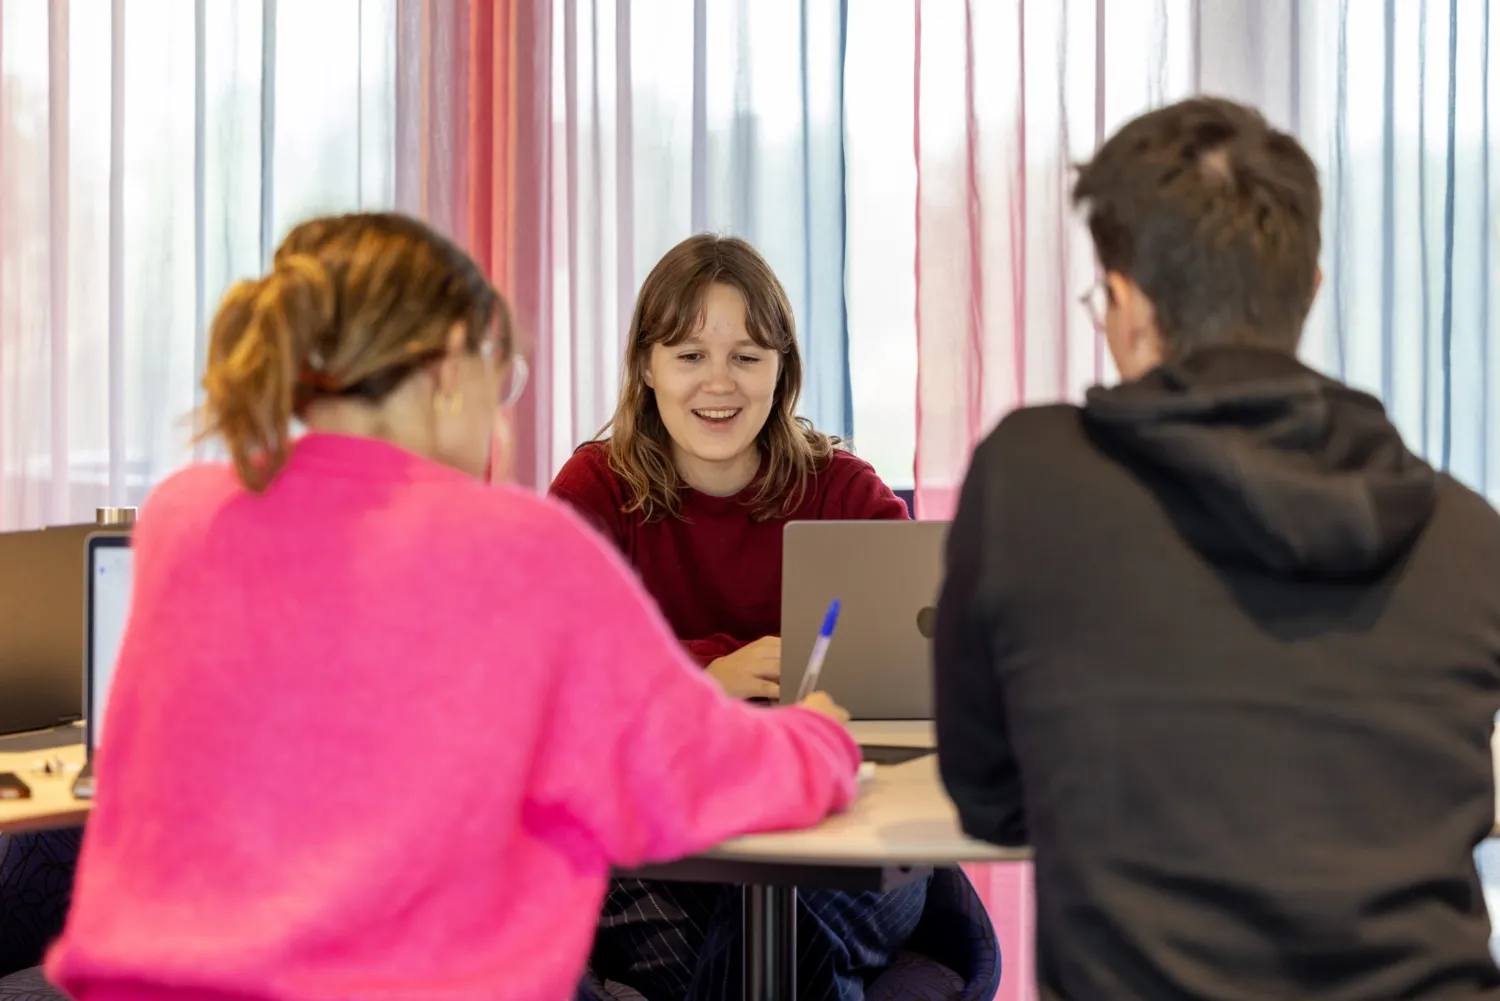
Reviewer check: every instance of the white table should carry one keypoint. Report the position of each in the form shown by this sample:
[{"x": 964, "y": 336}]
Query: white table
[{"x": 900, "y": 828}]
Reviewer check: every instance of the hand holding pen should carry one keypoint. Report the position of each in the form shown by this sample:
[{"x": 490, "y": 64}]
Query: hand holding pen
[
  {"x": 819, "y": 652},
  {"x": 807, "y": 695}
]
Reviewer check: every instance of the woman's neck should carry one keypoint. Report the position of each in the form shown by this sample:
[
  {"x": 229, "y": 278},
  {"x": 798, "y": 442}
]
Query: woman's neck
[
  {"x": 355, "y": 418},
  {"x": 717, "y": 479}
]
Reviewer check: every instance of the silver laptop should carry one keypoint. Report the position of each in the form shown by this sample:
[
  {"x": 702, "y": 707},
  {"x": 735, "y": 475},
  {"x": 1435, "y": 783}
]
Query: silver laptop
[
  {"x": 886, "y": 575},
  {"x": 110, "y": 569}
]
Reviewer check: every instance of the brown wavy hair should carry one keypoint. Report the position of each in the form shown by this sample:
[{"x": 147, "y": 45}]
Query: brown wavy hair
[
  {"x": 667, "y": 311},
  {"x": 352, "y": 307}
]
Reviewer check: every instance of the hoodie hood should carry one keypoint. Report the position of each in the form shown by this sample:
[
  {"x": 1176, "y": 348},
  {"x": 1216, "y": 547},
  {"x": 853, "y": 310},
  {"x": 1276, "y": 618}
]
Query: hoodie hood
[{"x": 1263, "y": 461}]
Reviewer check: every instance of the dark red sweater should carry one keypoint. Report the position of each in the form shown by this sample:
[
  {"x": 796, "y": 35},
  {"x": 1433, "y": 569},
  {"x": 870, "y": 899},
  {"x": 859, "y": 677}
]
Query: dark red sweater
[{"x": 715, "y": 572}]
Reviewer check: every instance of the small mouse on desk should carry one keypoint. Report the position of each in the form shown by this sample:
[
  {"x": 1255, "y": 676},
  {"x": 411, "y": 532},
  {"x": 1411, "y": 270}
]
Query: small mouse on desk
[{"x": 12, "y": 787}]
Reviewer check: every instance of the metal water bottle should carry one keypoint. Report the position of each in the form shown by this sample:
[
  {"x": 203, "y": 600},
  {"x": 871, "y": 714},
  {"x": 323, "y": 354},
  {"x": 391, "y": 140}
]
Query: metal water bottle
[{"x": 114, "y": 517}]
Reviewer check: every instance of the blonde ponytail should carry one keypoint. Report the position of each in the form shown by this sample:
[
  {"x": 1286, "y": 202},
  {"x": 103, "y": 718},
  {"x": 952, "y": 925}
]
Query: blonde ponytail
[{"x": 260, "y": 344}]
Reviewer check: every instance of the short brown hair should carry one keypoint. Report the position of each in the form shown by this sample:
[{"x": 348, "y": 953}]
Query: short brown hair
[
  {"x": 1215, "y": 215},
  {"x": 352, "y": 307},
  {"x": 668, "y": 310}
]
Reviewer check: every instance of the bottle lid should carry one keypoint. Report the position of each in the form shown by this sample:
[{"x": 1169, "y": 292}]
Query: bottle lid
[{"x": 114, "y": 515}]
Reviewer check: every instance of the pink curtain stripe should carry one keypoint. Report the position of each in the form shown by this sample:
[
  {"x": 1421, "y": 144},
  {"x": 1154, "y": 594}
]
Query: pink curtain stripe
[
  {"x": 57, "y": 254},
  {"x": 4, "y": 332},
  {"x": 517, "y": 176},
  {"x": 974, "y": 347},
  {"x": 916, "y": 145},
  {"x": 1007, "y": 891},
  {"x": 411, "y": 109},
  {"x": 1099, "y": 67},
  {"x": 1065, "y": 299},
  {"x": 449, "y": 53},
  {"x": 480, "y": 120},
  {"x": 478, "y": 189},
  {"x": 1018, "y": 221}
]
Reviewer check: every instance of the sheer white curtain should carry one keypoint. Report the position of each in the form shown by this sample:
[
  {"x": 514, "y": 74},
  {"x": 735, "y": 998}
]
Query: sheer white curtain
[
  {"x": 1396, "y": 108},
  {"x": 966, "y": 260},
  {"x": 152, "y": 152},
  {"x": 676, "y": 117}
]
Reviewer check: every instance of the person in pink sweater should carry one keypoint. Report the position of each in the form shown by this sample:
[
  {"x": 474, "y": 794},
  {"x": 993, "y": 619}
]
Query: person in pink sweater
[{"x": 379, "y": 729}]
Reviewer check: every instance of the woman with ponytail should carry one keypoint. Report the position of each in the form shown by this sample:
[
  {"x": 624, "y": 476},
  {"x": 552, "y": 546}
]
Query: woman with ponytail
[{"x": 379, "y": 730}]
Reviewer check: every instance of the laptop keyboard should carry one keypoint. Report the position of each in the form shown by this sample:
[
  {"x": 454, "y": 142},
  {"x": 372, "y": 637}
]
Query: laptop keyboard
[{"x": 885, "y": 754}]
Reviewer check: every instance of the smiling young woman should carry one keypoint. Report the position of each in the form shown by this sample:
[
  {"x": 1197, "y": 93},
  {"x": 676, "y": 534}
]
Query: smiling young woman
[
  {"x": 705, "y": 459},
  {"x": 693, "y": 480},
  {"x": 710, "y": 388}
]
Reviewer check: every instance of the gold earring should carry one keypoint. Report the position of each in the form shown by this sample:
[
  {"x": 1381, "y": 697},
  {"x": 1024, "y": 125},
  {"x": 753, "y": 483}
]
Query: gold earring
[{"x": 448, "y": 402}]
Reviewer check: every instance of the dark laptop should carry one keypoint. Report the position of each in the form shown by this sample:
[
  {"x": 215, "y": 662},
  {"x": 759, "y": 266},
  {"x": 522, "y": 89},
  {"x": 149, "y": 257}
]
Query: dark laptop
[
  {"x": 110, "y": 570},
  {"x": 41, "y": 617}
]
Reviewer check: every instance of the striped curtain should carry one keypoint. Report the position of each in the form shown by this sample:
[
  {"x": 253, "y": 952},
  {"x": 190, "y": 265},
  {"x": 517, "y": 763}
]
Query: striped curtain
[
  {"x": 672, "y": 119},
  {"x": 595, "y": 134},
  {"x": 150, "y": 154},
  {"x": 1407, "y": 262},
  {"x": 904, "y": 163},
  {"x": 1392, "y": 98},
  {"x": 473, "y": 156}
]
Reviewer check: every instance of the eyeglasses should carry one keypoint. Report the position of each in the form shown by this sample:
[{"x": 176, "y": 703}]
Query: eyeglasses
[
  {"x": 1096, "y": 302},
  {"x": 515, "y": 374},
  {"x": 515, "y": 381}
]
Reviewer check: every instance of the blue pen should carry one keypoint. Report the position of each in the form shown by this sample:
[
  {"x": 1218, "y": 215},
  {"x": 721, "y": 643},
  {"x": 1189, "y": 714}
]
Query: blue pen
[{"x": 819, "y": 652}]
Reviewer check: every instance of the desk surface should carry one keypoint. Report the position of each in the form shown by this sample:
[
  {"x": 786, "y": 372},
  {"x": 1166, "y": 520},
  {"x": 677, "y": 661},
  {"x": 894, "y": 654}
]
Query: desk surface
[{"x": 51, "y": 803}]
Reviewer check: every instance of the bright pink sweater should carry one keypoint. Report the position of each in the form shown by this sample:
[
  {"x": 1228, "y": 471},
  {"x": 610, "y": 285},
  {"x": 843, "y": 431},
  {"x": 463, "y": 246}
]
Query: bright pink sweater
[{"x": 382, "y": 732}]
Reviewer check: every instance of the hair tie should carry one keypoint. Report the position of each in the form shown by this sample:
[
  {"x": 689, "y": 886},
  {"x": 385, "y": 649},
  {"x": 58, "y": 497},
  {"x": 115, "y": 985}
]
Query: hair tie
[{"x": 319, "y": 381}]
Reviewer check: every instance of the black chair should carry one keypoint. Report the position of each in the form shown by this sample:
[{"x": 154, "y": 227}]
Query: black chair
[{"x": 36, "y": 884}]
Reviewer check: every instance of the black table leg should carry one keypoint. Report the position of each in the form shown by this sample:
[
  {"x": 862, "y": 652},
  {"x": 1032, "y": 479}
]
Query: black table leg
[{"x": 770, "y": 943}]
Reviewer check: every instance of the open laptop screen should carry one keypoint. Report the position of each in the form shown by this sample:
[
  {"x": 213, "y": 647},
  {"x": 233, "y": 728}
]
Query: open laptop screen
[{"x": 110, "y": 570}]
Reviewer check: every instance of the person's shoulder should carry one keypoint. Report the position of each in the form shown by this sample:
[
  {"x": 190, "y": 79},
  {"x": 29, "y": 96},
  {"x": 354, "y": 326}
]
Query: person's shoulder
[
  {"x": 1021, "y": 428},
  {"x": 190, "y": 495},
  {"x": 513, "y": 513},
  {"x": 589, "y": 485},
  {"x": 1035, "y": 436},
  {"x": 194, "y": 483},
  {"x": 503, "y": 529},
  {"x": 589, "y": 459},
  {"x": 846, "y": 486},
  {"x": 587, "y": 473},
  {"x": 842, "y": 465},
  {"x": 1473, "y": 519}
]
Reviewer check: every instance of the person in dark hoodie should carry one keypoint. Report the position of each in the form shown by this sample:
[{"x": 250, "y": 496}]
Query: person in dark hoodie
[{"x": 1217, "y": 644}]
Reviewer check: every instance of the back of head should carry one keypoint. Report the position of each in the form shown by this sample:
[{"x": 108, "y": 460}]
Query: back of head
[
  {"x": 353, "y": 306},
  {"x": 1215, "y": 216}
]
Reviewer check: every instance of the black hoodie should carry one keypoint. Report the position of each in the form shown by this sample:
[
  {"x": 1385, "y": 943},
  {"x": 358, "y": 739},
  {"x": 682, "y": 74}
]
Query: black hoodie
[{"x": 1227, "y": 655}]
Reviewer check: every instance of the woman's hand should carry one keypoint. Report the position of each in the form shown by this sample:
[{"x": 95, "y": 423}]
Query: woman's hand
[
  {"x": 751, "y": 672},
  {"x": 822, "y": 704}
]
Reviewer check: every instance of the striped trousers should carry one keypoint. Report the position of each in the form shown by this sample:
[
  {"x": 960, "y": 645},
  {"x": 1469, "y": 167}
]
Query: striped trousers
[{"x": 684, "y": 941}]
